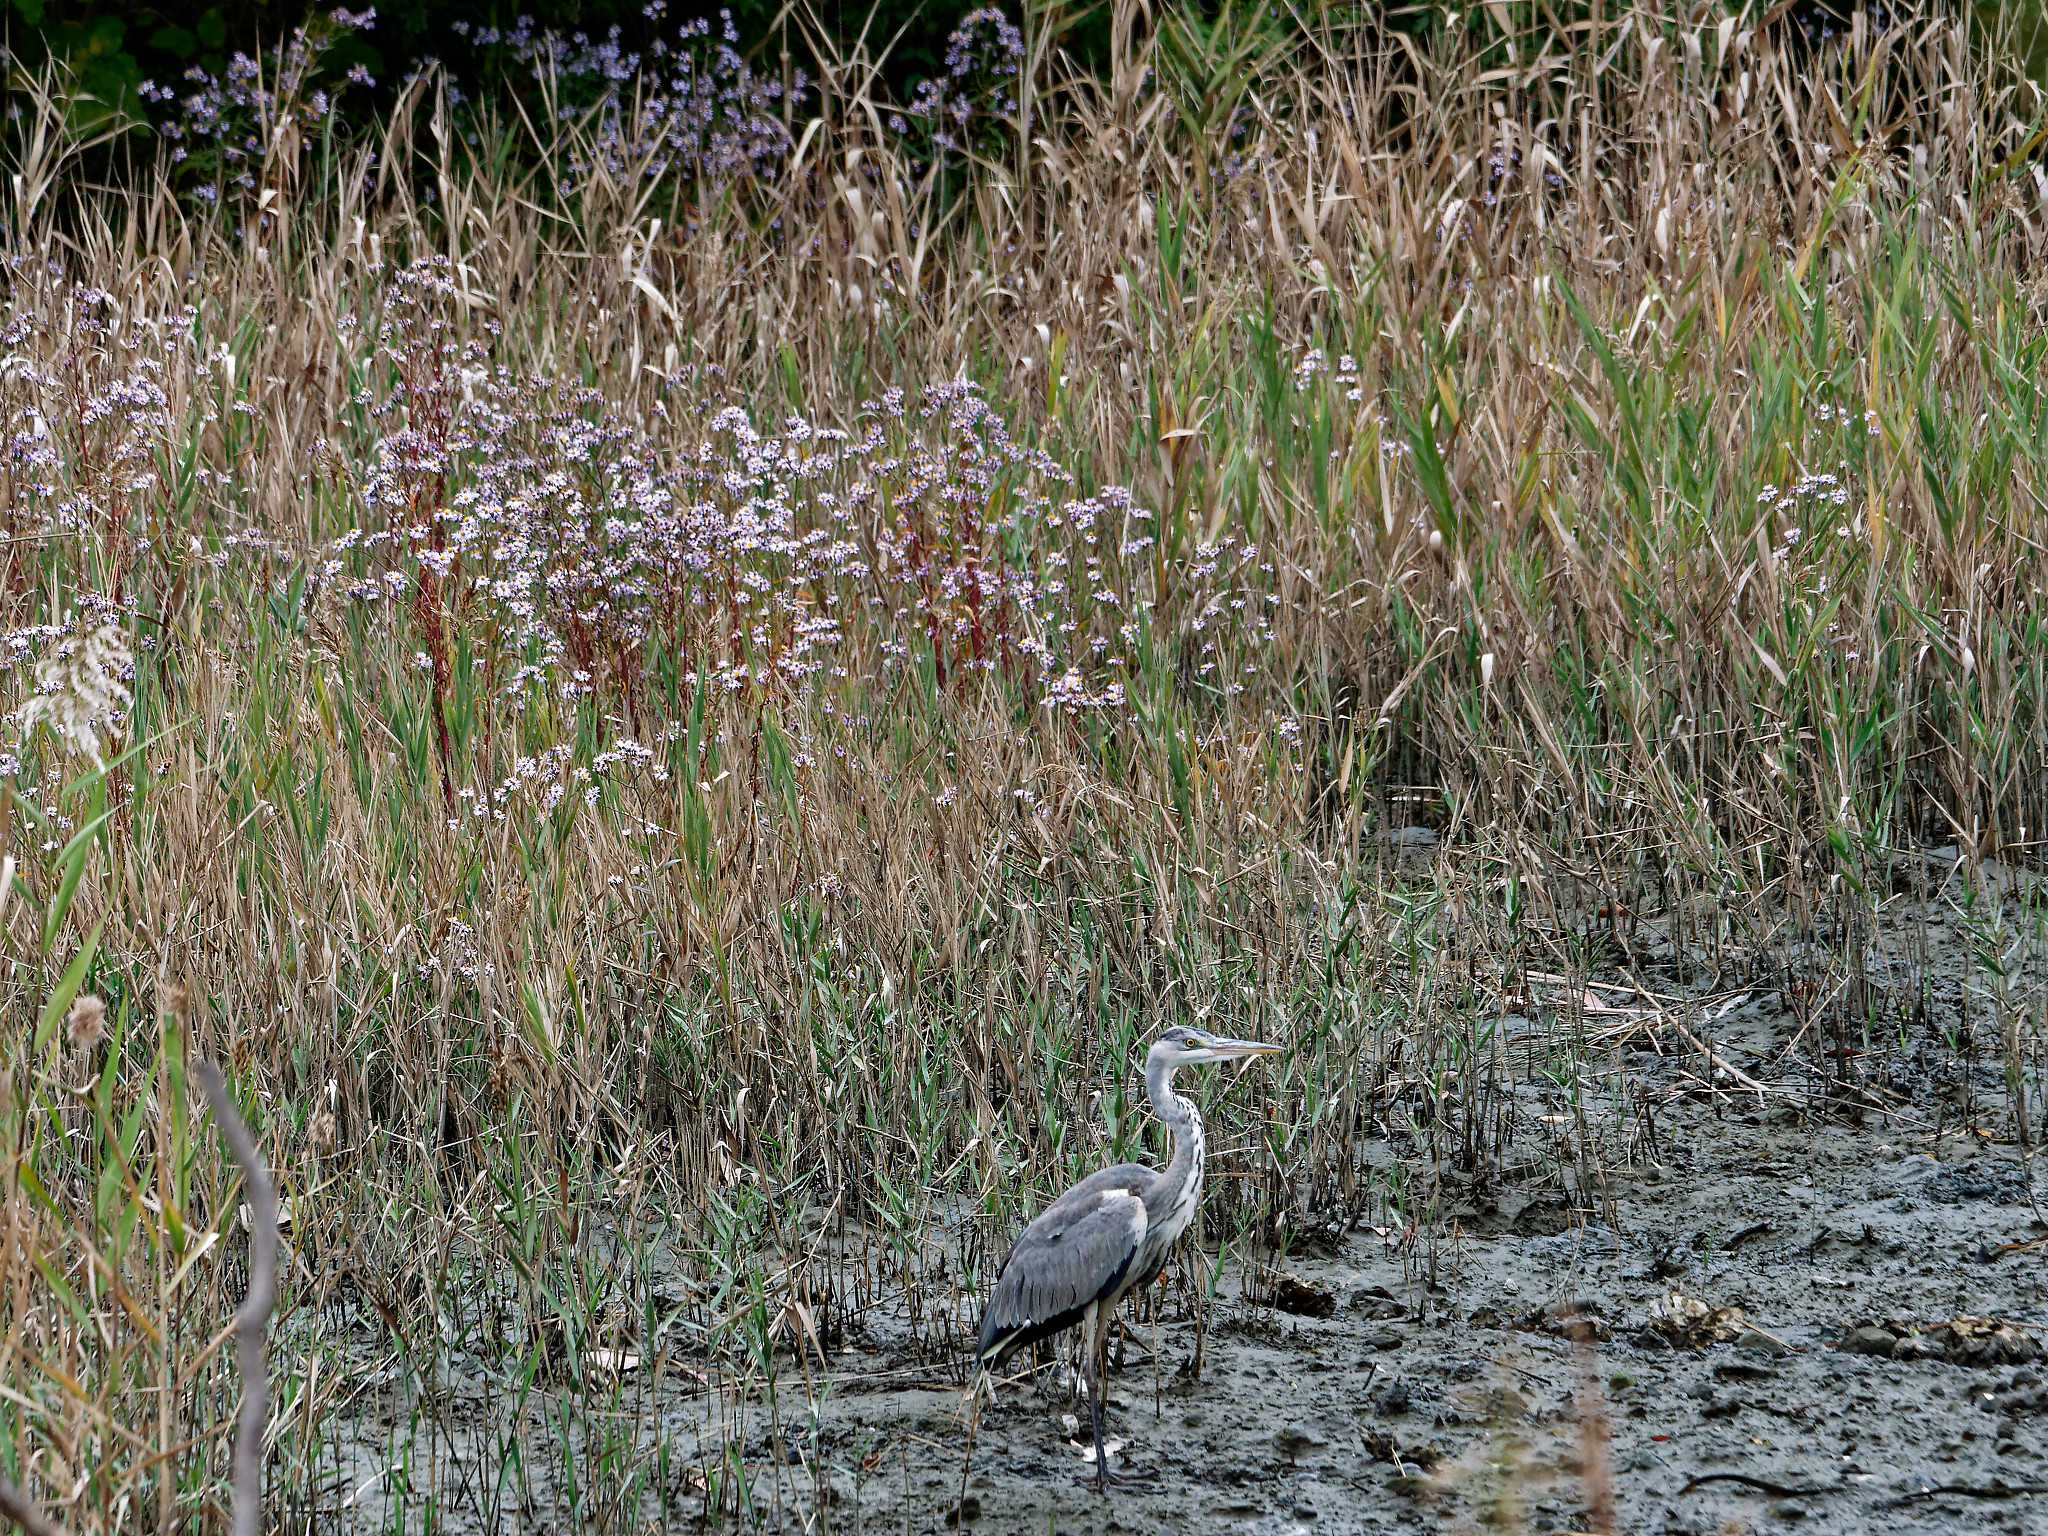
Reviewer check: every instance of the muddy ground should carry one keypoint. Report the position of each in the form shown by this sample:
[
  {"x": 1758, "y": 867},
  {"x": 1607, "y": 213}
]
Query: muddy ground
[
  {"x": 1460, "y": 1406},
  {"x": 1755, "y": 1329}
]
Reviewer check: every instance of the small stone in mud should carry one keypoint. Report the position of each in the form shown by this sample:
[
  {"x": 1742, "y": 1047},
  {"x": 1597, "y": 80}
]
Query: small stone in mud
[
  {"x": 1384, "y": 1447},
  {"x": 1295, "y": 1439},
  {"x": 1688, "y": 1323},
  {"x": 1379, "y": 1302},
  {"x": 1301, "y": 1298},
  {"x": 1566, "y": 1319},
  {"x": 1972, "y": 1341},
  {"x": 1742, "y": 1370},
  {"x": 1758, "y": 1342}
]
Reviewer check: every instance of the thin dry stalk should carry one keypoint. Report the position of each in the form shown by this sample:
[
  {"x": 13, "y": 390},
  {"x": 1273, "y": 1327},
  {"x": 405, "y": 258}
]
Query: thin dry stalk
[{"x": 252, "y": 1319}]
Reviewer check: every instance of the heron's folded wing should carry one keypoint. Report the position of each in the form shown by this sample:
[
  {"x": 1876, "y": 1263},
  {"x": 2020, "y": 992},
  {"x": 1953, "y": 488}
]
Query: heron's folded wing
[{"x": 1077, "y": 1252}]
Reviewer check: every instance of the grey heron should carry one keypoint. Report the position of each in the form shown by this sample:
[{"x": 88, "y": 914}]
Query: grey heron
[{"x": 1110, "y": 1234}]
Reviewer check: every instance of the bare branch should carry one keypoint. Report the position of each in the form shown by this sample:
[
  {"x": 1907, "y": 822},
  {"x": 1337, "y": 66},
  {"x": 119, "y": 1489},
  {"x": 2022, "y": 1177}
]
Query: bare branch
[
  {"x": 252, "y": 1319},
  {"x": 17, "y": 1506}
]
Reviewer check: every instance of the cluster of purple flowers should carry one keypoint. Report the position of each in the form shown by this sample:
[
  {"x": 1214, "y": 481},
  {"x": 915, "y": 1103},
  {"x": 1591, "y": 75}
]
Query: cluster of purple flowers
[
  {"x": 88, "y": 426},
  {"x": 690, "y": 108},
  {"x": 1315, "y": 363},
  {"x": 101, "y": 406},
  {"x": 571, "y": 541},
  {"x": 687, "y": 109},
  {"x": 224, "y": 127},
  {"x": 575, "y": 548},
  {"x": 979, "y": 91}
]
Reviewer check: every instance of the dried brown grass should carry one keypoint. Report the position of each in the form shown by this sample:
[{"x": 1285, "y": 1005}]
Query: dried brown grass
[{"x": 1610, "y": 278}]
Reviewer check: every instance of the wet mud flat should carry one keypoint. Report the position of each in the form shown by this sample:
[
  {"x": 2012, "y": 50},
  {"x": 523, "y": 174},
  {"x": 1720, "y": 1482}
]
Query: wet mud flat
[
  {"x": 1794, "y": 1315},
  {"x": 1784, "y": 1329},
  {"x": 1759, "y": 1335},
  {"x": 1831, "y": 1329}
]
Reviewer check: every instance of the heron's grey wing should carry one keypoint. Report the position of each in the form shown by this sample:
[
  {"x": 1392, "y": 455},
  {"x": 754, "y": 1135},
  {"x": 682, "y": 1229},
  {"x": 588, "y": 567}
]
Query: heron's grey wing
[
  {"x": 1077, "y": 1252},
  {"x": 1135, "y": 1177}
]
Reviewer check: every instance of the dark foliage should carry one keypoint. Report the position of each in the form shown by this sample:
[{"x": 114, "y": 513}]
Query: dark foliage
[{"x": 114, "y": 50}]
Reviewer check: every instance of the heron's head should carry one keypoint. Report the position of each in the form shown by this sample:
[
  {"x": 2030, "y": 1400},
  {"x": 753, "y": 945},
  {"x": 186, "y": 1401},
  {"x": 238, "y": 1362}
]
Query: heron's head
[{"x": 1184, "y": 1046}]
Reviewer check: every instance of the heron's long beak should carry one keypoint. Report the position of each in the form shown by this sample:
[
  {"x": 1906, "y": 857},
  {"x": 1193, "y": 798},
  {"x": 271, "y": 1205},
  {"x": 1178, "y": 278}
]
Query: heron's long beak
[{"x": 1236, "y": 1050}]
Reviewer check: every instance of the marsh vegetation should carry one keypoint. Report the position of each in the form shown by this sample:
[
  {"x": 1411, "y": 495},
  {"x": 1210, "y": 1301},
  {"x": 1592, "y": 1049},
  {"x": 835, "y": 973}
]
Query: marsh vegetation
[{"x": 675, "y": 671}]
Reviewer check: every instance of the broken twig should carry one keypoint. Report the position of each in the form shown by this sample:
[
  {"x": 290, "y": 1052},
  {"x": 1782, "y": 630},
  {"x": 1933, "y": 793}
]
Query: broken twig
[
  {"x": 1721, "y": 1064},
  {"x": 1969, "y": 1491},
  {"x": 1761, "y": 1485}
]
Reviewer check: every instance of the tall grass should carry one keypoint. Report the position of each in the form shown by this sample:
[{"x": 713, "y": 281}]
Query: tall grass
[{"x": 683, "y": 728}]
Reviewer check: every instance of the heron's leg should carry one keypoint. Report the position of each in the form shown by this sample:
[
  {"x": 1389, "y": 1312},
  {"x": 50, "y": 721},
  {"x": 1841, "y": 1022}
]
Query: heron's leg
[
  {"x": 1099, "y": 1335},
  {"x": 1098, "y": 1367},
  {"x": 1092, "y": 1387},
  {"x": 1098, "y": 1346}
]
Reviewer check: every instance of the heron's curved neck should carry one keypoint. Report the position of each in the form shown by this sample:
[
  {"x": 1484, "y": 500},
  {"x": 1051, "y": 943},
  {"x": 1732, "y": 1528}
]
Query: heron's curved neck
[{"x": 1181, "y": 1120}]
